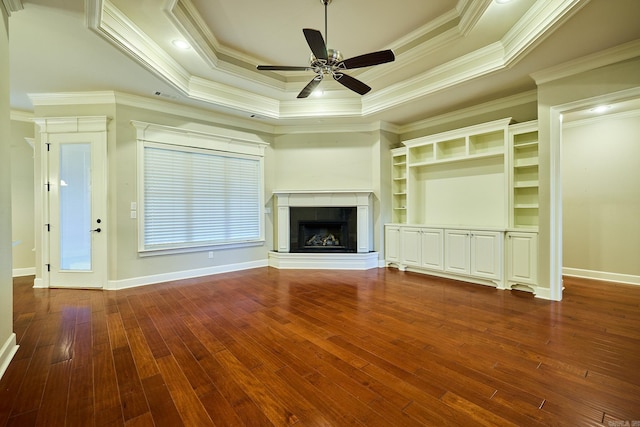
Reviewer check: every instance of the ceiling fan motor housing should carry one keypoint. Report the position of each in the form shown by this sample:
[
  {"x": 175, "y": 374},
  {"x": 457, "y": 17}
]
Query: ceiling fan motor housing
[{"x": 334, "y": 58}]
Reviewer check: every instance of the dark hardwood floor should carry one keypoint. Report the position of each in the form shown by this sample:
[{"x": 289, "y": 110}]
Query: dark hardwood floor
[{"x": 278, "y": 347}]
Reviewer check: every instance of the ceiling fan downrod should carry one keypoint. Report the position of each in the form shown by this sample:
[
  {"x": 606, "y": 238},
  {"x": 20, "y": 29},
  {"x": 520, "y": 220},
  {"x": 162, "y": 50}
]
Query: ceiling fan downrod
[{"x": 325, "y": 3}]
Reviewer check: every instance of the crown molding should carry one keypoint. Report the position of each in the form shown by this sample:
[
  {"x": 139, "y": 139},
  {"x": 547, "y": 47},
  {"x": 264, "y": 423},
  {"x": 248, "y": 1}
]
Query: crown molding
[
  {"x": 21, "y": 116},
  {"x": 536, "y": 25},
  {"x": 72, "y": 124},
  {"x": 72, "y": 98},
  {"x": 602, "y": 118},
  {"x": 109, "y": 22},
  {"x": 471, "y": 14},
  {"x": 606, "y": 57},
  {"x": 11, "y": 6},
  {"x": 459, "y": 70},
  {"x": 487, "y": 107},
  {"x": 336, "y": 128}
]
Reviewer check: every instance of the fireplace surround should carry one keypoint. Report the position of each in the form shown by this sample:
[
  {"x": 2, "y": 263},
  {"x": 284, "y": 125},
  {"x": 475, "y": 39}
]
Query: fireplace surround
[{"x": 344, "y": 218}]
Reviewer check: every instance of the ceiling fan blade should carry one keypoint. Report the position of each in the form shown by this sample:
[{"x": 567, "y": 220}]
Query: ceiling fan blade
[
  {"x": 368, "y": 59},
  {"x": 310, "y": 87},
  {"x": 351, "y": 83},
  {"x": 316, "y": 43},
  {"x": 281, "y": 68}
]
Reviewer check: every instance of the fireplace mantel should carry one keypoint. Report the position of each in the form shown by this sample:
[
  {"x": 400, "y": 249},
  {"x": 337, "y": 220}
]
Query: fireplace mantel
[{"x": 360, "y": 199}]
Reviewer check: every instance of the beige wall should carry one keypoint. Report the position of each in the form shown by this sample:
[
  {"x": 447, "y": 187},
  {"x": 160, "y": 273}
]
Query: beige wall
[
  {"x": 601, "y": 194},
  {"x": 124, "y": 262},
  {"x": 553, "y": 96},
  {"x": 22, "y": 198},
  {"x": 325, "y": 161},
  {"x": 7, "y": 337}
]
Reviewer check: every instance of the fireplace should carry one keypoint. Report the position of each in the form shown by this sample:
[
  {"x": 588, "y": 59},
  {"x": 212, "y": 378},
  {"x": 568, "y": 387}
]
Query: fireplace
[{"x": 323, "y": 229}]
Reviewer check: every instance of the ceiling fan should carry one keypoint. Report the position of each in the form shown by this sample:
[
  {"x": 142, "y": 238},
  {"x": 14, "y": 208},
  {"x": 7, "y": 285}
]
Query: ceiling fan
[{"x": 329, "y": 61}]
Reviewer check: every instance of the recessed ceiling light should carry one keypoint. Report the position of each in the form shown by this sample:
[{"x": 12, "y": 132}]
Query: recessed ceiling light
[
  {"x": 318, "y": 92},
  {"x": 600, "y": 109},
  {"x": 502, "y": 1},
  {"x": 181, "y": 44}
]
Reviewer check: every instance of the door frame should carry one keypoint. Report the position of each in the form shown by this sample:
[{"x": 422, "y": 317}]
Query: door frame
[{"x": 94, "y": 129}]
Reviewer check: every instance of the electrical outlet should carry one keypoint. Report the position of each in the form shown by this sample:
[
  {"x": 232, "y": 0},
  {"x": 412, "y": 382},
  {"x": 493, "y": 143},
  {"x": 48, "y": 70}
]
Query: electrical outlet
[{"x": 210, "y": 254}]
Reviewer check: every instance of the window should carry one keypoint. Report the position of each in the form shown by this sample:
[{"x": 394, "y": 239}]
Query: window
[{"x": 194, "y": 197}]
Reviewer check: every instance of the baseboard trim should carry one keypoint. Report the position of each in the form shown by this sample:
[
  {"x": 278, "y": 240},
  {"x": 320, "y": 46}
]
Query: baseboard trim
[
  {"x": 38, "y": 283},
  {"x": 602, "y": 275},
  {"x": 114, "y": 285},
  {"x": 8, "y": 350},
  {"x": 21, "y": 272}
]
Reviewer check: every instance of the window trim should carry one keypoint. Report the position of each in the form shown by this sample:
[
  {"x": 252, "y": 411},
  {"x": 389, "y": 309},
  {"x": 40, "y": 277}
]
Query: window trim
[{"x": 149, "y": 134}]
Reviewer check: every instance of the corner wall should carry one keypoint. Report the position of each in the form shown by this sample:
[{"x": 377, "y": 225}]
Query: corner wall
[
  {"x": 554, "y": 97},
  {"x": 22, "y": 195},
  {"x": 601, "y": 197},
  {"x": 7, "y": 337}
]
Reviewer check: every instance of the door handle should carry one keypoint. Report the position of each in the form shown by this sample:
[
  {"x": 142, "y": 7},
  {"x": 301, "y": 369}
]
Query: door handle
[{"x": 97, "y": 230}]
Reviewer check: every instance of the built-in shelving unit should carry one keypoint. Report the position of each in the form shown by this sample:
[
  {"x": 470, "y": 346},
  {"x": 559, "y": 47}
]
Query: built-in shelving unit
[
  {"x": 465, "y": 203},
  {"x": 459, "y": 177},
  {"x": 523, "y": 140},
  {"x": 399, "y": 185}
]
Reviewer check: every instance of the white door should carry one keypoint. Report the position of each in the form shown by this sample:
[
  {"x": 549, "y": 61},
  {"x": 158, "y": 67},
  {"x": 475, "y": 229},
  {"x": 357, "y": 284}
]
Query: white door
[{"x": 76, "y": 204}]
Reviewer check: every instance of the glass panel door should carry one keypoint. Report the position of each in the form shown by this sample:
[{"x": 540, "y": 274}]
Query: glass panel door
[{"x": 75, "y": 207}]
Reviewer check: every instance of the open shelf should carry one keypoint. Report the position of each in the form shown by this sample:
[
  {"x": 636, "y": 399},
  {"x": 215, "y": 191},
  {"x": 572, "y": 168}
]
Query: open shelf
[
  {"x": 421, "y": 154},
  {"x": 455, "y": 148},
  {"x": 524, "y": 175},
  {"x": 487, "y": 143},
  {"x": 399, "y": 185}
]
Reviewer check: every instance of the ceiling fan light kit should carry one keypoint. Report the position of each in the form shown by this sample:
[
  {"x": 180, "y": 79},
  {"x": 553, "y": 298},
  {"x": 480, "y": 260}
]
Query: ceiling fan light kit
[{"x": 330, "y": 62}]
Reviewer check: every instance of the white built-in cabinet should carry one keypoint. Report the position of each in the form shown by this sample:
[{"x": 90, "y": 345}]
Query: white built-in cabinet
[
  {"x": 465, "y": 205},
  {"x": 522, "y": 259},
  {"x": 392, "y": 244},
  {"x": 422, "y": 247}
]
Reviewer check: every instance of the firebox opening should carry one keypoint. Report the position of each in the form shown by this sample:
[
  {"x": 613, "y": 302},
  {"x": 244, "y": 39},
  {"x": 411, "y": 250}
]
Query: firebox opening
[
  {"x": 323, "y": 235},
  {"x": 323, "y": 229}
]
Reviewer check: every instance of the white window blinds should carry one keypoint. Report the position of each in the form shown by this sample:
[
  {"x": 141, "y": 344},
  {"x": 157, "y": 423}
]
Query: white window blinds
[{"x": 197, "y": 197}]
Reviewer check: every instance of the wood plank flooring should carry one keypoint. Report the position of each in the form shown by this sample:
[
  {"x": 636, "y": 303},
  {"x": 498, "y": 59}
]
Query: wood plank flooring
[{"x": 323, "y": 348}]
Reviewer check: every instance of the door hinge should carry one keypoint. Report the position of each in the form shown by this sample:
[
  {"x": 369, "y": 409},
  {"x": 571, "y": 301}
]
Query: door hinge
[
  {"x": 48, "y": 227},
  {"x": 48, "y": 144},
  {"x": 48, "y": 267},
  {"x": 48, "y": 185}
]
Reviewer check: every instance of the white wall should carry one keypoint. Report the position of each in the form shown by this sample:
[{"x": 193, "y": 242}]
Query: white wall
[
  {"x": 324, "y": 161},
  {"x": 22, "y": 198},
  {"x": 566, "y": 92},
  {"x": 601, "y": 195},
  {"x": 7, "y": 337}
]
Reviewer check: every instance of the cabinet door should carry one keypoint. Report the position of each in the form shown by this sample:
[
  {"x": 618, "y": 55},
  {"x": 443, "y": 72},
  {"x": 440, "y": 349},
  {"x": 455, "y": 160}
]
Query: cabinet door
[
  {"x": 410, "y": 241},
  {"x": 522, "y": 258},
  {"x": 392, "y": 244},
  {"x": 456, "y": 246},
  {"x": 432, "y": 249},
  {"x": 486, "y": 254}
]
